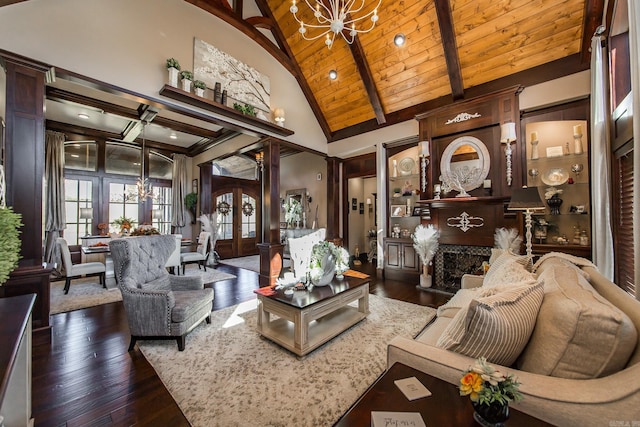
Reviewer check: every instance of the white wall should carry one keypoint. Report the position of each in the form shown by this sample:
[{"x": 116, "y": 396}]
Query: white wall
[{"x": 126, "y": 43}]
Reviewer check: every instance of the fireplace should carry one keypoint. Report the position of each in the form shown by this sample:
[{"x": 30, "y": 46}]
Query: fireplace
[{"x": 453, "y": 261}]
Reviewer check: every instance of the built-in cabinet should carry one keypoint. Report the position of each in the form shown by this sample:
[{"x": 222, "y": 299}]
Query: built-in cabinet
[
  {"x": 401, "y": 259},
  {"x": 557, "y": 163}
]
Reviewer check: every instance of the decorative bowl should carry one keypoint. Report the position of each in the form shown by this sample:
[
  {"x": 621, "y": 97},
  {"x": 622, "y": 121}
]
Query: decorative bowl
[{"x": 555, "y": 176}]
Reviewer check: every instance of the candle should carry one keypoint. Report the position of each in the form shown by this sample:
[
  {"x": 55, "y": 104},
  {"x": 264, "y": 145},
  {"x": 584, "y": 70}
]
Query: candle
[
  {"x": 487, "y": 183},
  {"x": 577, "y": 130},
  {"x": 437, "y": 188},
  {"x": 534, "y": 136},
  {"x": 424, "y": 147}
]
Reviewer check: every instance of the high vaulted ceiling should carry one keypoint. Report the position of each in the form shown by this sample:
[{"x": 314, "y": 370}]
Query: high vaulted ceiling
[{"x": 455, "y": 49}]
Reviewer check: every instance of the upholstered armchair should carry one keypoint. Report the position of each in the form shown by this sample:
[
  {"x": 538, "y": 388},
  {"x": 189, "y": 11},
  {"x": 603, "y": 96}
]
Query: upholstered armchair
[{"x": 158, "y": 305}]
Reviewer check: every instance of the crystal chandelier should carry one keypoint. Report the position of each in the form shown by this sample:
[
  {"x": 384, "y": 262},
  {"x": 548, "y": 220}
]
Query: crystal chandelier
[
  {"x": 334, "y": 16},
  {"x": 144, "y": 186}
]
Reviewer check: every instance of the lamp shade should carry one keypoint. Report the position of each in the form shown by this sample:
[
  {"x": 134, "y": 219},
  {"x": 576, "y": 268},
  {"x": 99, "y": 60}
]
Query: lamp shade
[
  {"x": 279, "y": 114},
  {"x": 508, "y": 132},
  {"x": 525, "y": 198},
  {"x": 86, "y": 213},
  {"x": 156, "y": 214}
]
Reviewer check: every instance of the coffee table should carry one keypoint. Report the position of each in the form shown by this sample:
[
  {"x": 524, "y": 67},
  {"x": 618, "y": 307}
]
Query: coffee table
[
  {"x": 445, "y": 407},
  {"x": 305, "y": 320}
]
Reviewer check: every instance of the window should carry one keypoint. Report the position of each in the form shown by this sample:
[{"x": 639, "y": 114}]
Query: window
[
  {"x": 161, "y": 217},
  {"x": 160, "y": 166},
  {"x": 81, "y": 155},
  {"x": 623, "y": 216},
  {"x": 224, "y": 203},
  {"x": 122, "y": 159},
  {"x": 77, "y": 195},
  {"x": 123, "y": 201},
  {"x": 248, "y": 221}
]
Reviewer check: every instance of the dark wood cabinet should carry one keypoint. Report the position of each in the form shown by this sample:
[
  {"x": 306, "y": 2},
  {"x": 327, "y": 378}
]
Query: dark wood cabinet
[{"x": 401, "y": 261}]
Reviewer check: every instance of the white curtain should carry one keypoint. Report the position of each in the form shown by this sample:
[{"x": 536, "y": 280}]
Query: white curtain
[
  {"x": 634, "y": 48},
  {"x": 179, "y": 188},
  {"x": 601, "y": 236}
]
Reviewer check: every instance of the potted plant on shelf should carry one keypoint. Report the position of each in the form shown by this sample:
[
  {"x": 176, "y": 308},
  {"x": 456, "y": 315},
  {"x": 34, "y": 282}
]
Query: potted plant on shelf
[
  {"x": 246, "y": 109},
  {"x": 200, "y": 87},
  {"x": 173, "y": 66},
  {"x": 191, "y": 201},
  {"x": 10, "y": 224},
  {"x": 187, "y": 77}
]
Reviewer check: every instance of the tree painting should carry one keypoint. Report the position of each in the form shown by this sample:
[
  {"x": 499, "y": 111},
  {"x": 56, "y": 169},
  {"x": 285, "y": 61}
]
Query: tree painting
[{"x": 243, "y": 83}]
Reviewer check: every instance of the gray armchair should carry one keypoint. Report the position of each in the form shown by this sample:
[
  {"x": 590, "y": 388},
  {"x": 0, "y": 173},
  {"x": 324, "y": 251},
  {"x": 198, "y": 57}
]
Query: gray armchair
[{"x": 158, "y": 305}]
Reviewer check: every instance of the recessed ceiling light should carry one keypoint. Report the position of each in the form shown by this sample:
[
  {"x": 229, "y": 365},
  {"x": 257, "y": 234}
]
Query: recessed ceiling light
[
  {"x": 399, "y": 39},
  {"x": 83, "y": 116},
  {"x": 173, "y": 135},
  {"x": 75, "y": 155},
  {"x": 333, "y": 74}
]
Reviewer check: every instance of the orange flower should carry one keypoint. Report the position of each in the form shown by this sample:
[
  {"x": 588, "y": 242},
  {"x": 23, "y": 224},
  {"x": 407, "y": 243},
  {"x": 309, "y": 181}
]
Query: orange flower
[{"x": 471, "y": 383}]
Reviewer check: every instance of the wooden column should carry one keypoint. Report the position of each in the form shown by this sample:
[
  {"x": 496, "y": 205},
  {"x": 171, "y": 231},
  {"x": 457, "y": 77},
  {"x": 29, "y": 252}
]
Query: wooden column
[
  {"x": 25, "y": 150},
  {"x": 206, "y": 175},
  {"x": 270, "y": 248},
  {"x": 333, "y": 198}
]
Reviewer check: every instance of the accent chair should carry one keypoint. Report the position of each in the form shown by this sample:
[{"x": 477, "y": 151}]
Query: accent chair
[
  {"x": 200, "y": 255},
  {"x": 158, "y": 305},
  {"x": 74, "y": 271}
]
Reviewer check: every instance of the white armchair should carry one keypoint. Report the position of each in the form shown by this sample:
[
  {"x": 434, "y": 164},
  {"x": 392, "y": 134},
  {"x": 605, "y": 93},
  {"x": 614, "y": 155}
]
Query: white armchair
[
  {"x": 73, "y": 271},
  {"x": 300, "y": 248},
  {"x": 174, "y": 259}
]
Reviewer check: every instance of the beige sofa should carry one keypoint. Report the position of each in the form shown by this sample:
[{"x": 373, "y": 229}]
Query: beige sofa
[{"x": 580, "y": 366}]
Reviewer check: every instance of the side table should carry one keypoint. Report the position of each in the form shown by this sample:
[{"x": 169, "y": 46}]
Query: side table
[{"x": 445, "y": 407}]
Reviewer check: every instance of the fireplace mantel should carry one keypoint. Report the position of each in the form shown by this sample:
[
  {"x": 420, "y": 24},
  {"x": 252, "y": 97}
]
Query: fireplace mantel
[{"x": 452, "y": 202}]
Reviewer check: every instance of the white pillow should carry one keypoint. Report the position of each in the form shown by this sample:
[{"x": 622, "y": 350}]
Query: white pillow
[
  {"x": 497, "y": 326},
  {"x": 507, "y": 269},
  {"x": 461, "y": 299}
]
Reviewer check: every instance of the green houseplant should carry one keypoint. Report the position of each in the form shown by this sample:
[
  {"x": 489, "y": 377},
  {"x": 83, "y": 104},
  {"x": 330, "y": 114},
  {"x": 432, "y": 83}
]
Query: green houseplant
[
  {"x": 173, "y": 63},
  {"x": 191, "y": 201},
  {"x": 187, "y": 77},
  {"x": 200, "y": 87},
  {"x": 10, "y": 222},
  {"x": 173, "y": 66},
  {"x": 246, "y": 109}
]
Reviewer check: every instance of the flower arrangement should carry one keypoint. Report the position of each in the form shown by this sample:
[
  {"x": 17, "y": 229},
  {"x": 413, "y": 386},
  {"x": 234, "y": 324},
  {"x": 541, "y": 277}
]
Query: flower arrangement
[
  {"x": 425, "y": 242},
  {"x": 486, "y": 385},
  {"x": 552, "y": 191},
  {"x": 293, "y": 211},
  {"x": 145, "y": 230},
  {"x": 318, "y": 253},
  {"x": 124, "y": 223}
]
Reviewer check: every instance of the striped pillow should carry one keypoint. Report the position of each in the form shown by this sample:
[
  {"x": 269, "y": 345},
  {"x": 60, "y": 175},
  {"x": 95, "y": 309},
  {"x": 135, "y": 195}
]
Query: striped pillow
[{"x": 497, "y": 326}]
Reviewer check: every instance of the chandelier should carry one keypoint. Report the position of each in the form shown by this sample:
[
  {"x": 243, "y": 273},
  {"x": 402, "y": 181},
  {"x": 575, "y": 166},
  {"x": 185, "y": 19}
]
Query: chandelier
[
  {"x": 144, "y": 186},
  {"x": 334, "y": 16}
]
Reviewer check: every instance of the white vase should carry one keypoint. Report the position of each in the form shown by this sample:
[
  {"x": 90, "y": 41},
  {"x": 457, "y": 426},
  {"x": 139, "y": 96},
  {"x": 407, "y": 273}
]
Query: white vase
[
  {"x": 329, "y": 268},
  {"x": 173, "y": 77},
  {"x": 200, "y": 92},
  {"x": 186, "y": 85},
  {"x": 425, "y": 278}
]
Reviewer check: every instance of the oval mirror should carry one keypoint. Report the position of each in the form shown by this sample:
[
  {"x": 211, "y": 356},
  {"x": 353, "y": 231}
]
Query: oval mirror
[{"x": 465, "y": 163}]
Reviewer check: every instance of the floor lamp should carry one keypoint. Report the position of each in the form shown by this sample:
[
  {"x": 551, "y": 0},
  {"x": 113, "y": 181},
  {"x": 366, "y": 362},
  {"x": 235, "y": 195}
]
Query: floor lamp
[{"x": 526, "y": 199}]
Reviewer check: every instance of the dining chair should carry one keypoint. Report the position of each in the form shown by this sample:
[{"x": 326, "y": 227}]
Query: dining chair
[
  {"x": 74, "y": 271},
  {"x": 200, "y": 255}
]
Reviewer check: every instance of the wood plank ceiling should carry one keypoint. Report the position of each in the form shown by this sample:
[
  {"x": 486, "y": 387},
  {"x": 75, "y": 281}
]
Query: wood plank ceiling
[{"x": 455, "y": 49}]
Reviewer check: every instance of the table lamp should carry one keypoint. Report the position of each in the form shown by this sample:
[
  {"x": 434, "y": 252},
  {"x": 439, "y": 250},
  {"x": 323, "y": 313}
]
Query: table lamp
[
  {"x": 526, "y": 199},
  {"x": 86, "y": 213}
]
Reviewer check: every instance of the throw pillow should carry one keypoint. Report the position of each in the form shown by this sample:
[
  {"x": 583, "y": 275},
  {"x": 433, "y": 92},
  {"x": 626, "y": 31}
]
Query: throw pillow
[
  {"x": 461, "y": 299},
  {"x": 578, "y": 333},
  {"x": 508, "y": 268},
  {"x": 496, "y": 326}
]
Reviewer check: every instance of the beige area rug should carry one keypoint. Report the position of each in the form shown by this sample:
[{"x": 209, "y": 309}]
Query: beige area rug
[
  {"x": 88, "y": 292},
  {"x": 251, "y": 262},
  {"x": 229, "y": 376}
]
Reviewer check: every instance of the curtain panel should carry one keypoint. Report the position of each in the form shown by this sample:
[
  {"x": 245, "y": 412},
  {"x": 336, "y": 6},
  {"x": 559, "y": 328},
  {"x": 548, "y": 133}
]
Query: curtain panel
[
  {"x": 179, "y": 189},
  {"x": 55, "y": 217}
]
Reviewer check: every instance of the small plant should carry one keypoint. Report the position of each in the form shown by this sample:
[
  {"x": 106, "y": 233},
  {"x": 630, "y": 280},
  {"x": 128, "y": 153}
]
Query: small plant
[
  {"x": 124, "y": 223},
  {"x": 173, "y": 63},
  {"x": 10, "y": 222},
  {"x": 199, "y": 84},
  {"x": 191, "y": 200},
  {"x": 246, "y": 109},
  {"x": 186, "y": 75}
]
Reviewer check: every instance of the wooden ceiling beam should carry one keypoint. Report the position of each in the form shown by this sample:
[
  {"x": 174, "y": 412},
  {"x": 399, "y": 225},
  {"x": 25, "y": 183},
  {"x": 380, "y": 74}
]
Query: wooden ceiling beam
[
  {"x": 238, "y": 7},
  {"x": 546, "y": 72},
  {"x": 62, "y": 95},
  {"x": 367, "y": 79},
  {"x": 248, "y": 30},
  {"x": 260, "y": 22},
  {"x": 297, "y": 71},
  {"x": 447, "y": 32}
]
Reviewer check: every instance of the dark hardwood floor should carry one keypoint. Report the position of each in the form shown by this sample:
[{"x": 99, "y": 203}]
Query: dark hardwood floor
[{"x": 86, "y": 376}]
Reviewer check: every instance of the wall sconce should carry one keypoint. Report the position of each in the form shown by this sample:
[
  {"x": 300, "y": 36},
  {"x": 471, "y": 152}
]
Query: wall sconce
[
  {"x": 279, "y": 116},
  {"x": 507, "y": 136},
  {"x": 259, "y": 164},
  {"x": 369, "y": 204},
  {"x": 424, "y": 161},
  {"x": 86, "y": 213}
]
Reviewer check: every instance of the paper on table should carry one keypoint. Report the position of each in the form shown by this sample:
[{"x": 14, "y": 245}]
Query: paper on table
[
  {"x": 396, "y": 419},
  {"x": 412, "y": 388}
]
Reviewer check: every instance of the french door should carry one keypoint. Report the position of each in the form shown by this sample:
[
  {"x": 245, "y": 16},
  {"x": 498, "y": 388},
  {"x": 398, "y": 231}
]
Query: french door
[{"x": 238, "y": 216}]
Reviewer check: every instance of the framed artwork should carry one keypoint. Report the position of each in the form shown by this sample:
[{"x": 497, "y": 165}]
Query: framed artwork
[
  {"x": 354, "y": 204},
  {"x": 398, "y": 211},
  {"x": 194, "y": 186},
  {"x": 362, "y": 208},
  {"x": 416, "y": 211}
]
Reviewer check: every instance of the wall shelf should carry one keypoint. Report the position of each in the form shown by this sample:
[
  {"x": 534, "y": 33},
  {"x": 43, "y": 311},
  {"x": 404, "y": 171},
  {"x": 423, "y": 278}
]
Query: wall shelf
[{"x": 218, "y": 108}]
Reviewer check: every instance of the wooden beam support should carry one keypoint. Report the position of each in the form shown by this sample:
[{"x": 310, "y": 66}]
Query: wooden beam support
[
  {"x": 448, "y": 34},
  {"x": 367, "y": 79},
  {"x": 260, "y": 22}
]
